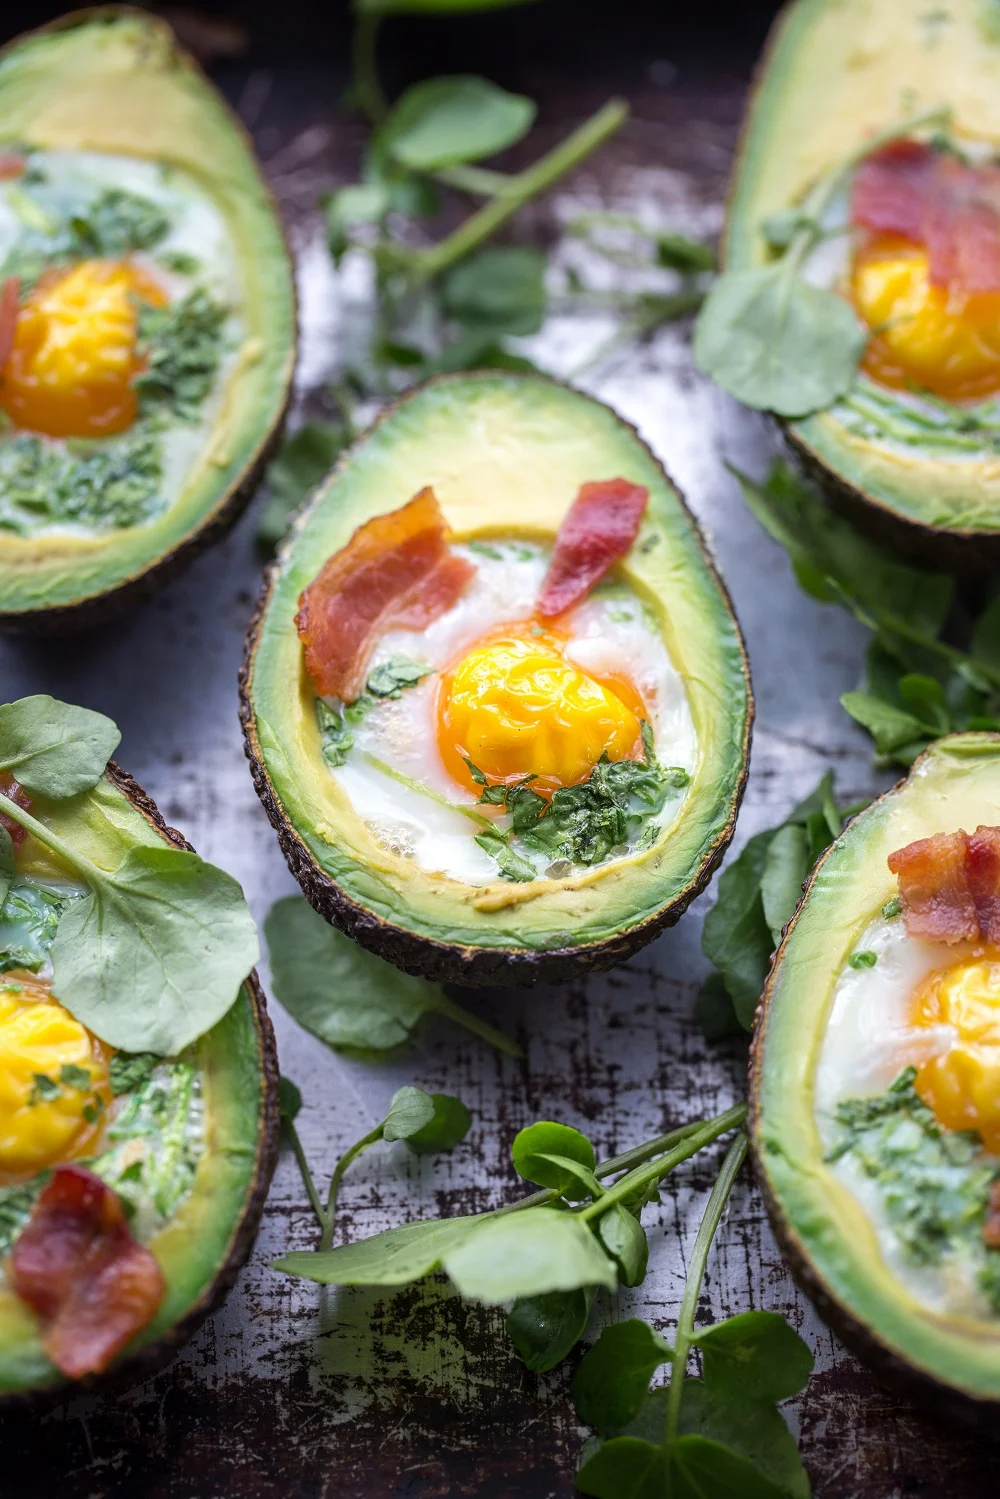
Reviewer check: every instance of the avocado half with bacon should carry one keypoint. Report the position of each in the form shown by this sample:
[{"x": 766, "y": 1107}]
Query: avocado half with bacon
[
  {"x": 147, "y": 316},
  {"x": 138, "y": 1116},
  {"x": 495, "y": 700},
  {"x": 875, "y": 1080},
  {"x": 869, "y": 170}
]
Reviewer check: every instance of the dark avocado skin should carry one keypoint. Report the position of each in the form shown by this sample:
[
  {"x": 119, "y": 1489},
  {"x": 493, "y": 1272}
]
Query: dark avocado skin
[
  {"x": 470, "y": 966},
  {"x": 131, "y": 1369},
  {"x": 861, "y": 1340},
  {"x": 100, "y": 608}
]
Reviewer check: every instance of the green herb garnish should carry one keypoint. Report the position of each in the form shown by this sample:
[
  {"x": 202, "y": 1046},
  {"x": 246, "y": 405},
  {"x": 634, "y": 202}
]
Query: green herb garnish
[
  {"x": 182, "y": 346},
  {"x": 337, "y": 724}
]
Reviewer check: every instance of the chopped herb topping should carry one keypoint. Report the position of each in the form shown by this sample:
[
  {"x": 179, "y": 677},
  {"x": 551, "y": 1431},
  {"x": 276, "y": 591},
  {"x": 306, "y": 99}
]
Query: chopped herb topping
[
  {"x": 892, "y": 908},
  {"x": 72, "y": 1076},
  {"x": 106, "y": 484},
  {"x": 182, "y": 345},
  {"x": 114, "y": 223},
  {"x": 127, "y": 1070},
  {"x": 337, "y": 725},
  {"x": 180, "y": 261},
  {"x": 44, "y": 1090},
  {"x": 28, "y": 920},
  {"x": 863, "y": 959}
]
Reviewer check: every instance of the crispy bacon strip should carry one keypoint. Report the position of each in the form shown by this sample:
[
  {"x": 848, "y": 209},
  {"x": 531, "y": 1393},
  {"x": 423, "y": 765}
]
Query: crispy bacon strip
[
  {"x": 950, "y": 886},
  {"x": 933, "y": 199},
  {"x": 77, "y": 1264},
  {"x": 597, "y": 531},
  {"x": 9, "y": 293},
  {"x": 11, "y": 165},
  {"x": 991, "y": 1227},
  {"x": 396, "y": 571},
  {"x": 16, "y": 793}
]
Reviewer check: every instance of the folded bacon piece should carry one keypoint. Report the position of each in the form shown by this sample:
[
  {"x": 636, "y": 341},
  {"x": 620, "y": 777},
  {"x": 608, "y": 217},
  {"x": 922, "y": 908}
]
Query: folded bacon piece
[
  {"x": 933, "y": 199},
  {"x": 396, "y": 572},
  {"x": 950, "y": 886},
  {"x": 10, "y": 292},
  {"x": 12, "y": 164},
  {"x": 597, "y": 531},
  {"x": 16, "y": 793},
  {"x": 77, "y": 1264}
]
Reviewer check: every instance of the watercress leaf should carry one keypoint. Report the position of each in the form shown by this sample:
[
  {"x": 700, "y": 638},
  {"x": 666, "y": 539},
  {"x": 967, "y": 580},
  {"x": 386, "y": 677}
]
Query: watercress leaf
[
  {"x": 478, "y": 349},
  {"x": 779, "y": 229},
  {"x": 626, "y": 1468},
  {"x": 777, "y": 343},
  {"x": 583, "y": 1178},
  {"x": 535, "y": 1141},
  {"x": 127, "y": 1070},
  {"x": 389, "y": 679},
  {"x": 624, "y": 1237},
  {"x": 393, "y": 1258},
  {"x": 410, "y": 1109},
  {"x": 676, "y": 252},
  {"x": 527, "y": 1254},
  {"x": 360, "y": 203},
  {"x": 736, "y": 937},
  {"x": 301, "y": 462},
  {"x": 787, "y": 862},
  {"x": 891, "y": 728},
  {"x": 821, "y": 799},
  {"x": 346, "y": 996},
  {"x": 441, "y": 122},
  {"x": 755, "y": 1355},
  {"x": 500, "y": 290},
  {"x": 698, "y": 1467},
  {"x": 985, "y": 642},
  {"x": 751, "y": 1430},
  {"x": 154, "y": 955},
  {"x": 611, "y": 1383},
  {"x": 924, "y": 696},
  {"x": 449, "y": 1124},
  {"x": 289, "y": 1099},
  {"x": 7, "y": 866},
  {"x": 55, "y": 749},
  {"x": 544, "y": 1329},
  {"x": 510, "y": 864},
  {"x": 714, "y": 1012}
]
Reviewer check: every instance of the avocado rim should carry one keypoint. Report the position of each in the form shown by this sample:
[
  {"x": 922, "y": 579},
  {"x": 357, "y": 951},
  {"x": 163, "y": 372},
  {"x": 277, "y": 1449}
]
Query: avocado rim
[
  {"x": 865, "y": 1342},
  {"x": 468, "y": 964},
  {"x": 148, "y": 1359},
  {"x": 217, "y": 520}
]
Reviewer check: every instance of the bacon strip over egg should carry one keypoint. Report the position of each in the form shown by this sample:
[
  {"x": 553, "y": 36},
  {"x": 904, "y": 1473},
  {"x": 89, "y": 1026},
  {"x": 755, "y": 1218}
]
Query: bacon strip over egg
[
  {"x": 77, "y": 1264},
  {"x": 950, "y": 886},
  {"x": 11, "y": 165},
  {"x": 933, "y": 199},
  {"x": 396, "y": 572},
  {"x": 15, "y": 793},
  {"x": 598, "y": 530},
  {"x": 9, "y": 293}
]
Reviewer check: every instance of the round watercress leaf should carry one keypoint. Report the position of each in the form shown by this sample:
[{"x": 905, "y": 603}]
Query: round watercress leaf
[
  {"x": 498, "y": 290},
  {"x": 776, "y": 343},
  {"x": 55, "y": 749},
  {"x": 698, "y": 1467},
  {"x": 549, "y": 1138},
  {"x": 289, "y": 1099},
  {"x": 755, "y": 1353},
  {"x": 444, "y": 121},
  {"x": 527, "y": 1254},
  {"x": 624, "y": 1237},
  {"x": 748, "y": 1427},
  {"x": 626, "y": 1468},
  {"x": 787, "y": 863},
  {"x": 610, "y": 1386},
  {"x": 395, "y": 1258},
  {"x": 587, "y": 1183},
  {"x": 409, "y": 1111},
  {"x": 449, "y": 1124},
  {"x": 154, "y": 955},
  {"x": 544, "y": 1329},
  {"x": 7, "y": 866}
]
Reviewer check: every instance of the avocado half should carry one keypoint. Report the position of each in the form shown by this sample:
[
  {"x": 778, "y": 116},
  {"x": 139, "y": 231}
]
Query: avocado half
[
  {"x": 834, "y": 73},
  {"x": 113, "y": 80},
  {"x": 827, "y": 1238},
  {"x": 505, "y": 455},
  {"x": 203, "y": 1246}
]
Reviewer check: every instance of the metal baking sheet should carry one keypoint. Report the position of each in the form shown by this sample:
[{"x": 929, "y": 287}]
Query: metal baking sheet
[{"x": 291, "y": 1390}]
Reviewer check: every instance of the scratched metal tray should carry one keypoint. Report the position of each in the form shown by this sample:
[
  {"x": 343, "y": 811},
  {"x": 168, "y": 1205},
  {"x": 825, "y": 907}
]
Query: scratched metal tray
[{"x": 294, "y": 1391}]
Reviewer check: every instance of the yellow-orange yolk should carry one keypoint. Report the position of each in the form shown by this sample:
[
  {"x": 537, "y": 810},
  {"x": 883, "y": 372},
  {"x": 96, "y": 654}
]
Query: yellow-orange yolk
[
  {"x": 42, "y": 1119},
  {"x": 962, "y": 1084},
  {"x": 516, "y": 707},
  {"x": 927, "y": 336},
  {"x": 71, "y": 366}
]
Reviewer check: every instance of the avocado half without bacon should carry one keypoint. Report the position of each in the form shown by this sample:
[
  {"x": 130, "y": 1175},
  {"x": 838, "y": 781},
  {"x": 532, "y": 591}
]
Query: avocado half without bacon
[
  {"x": 138, "y": 1113},
  {"x": 147, "y": 316},
  {"x": 875, "y": 1080},
  {"x": 868, "y": 183},
  {"x": 495, "y": 700}
]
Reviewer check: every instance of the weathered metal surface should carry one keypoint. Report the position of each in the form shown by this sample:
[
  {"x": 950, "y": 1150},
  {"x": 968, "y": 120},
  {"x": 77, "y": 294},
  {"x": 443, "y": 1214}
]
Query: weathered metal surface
[{"x": 290, "y": 1391}]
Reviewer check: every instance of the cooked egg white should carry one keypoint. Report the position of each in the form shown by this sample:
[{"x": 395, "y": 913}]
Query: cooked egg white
[{"x": 533, "y": 703}]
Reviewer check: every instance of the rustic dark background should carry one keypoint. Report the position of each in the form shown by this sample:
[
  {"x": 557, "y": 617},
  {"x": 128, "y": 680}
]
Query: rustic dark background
[{"x": 293, "y": 1393}]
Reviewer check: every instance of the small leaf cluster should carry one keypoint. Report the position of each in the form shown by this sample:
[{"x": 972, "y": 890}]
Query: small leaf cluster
[
  {"x": 756, "y": 896},
  {"x": 181, "y": 346},
  {"x": 107, "y": 485},
  {"x": 338, "y": 722},
  {"x": 919, "y": 683}
]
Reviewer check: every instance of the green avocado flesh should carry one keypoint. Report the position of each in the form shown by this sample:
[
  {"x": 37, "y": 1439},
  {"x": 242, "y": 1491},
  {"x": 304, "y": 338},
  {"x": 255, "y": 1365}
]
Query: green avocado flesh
[
  {"x": 184, "y": 1137},
  {"x": 836, "y": 73},
  {"x": 879, "y": 1206},
  {"x": 131, "y": 155},
  {"x": 506, "y": 456}
]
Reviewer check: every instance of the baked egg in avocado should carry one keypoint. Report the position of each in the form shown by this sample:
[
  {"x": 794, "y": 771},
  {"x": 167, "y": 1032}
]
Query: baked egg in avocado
[{"x": 495, "y": 700}]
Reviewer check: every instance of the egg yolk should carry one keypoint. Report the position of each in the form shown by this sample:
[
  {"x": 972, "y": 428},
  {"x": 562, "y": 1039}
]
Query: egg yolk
[
  {"x": 73, "y": 358},
  {"x": 42, "y": 1118},
  {"x": 962, "y": 1084},
  {"x": 927, "y": 336},
  {"x": 516, "y": 707}
]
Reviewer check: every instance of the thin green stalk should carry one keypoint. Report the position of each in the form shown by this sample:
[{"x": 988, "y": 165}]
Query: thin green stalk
[
  {"x": 418, "y": 786},
  {"x": 481, "y": 1028},
  {"x": 306, "y": 1174},
  {"x": 364, "y": 67},
  {"x": 735, "y": 1156},
  {"x": 328, "y": 1218},
  {"x": 51, "y": 840},
  {"x": 524, "y": 186}
]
